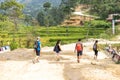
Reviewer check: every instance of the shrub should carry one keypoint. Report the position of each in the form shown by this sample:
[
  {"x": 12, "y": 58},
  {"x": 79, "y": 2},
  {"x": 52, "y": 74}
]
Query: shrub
[
  {"x": 99, "y": 24},
  {"x": 13, "y": 45},
  {"x": 104, "y": 36}
]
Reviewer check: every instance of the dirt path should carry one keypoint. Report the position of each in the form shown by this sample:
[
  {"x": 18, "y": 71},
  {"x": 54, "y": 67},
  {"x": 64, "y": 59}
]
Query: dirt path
[
  {"x": 89, "y": 69},
  {"x": 17, "y": 65},
  {"x": 25, "y": 70}
]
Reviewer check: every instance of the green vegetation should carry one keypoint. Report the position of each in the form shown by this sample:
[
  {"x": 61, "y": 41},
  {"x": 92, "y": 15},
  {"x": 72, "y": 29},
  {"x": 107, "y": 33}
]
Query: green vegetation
[
  {"x": 53, "y": 16},
  {"x": 19, "y": 30},
  {"x": 69, "y": 34},
  {"x": 102, "y": 8},
  {"x": 64, "y": 8}
]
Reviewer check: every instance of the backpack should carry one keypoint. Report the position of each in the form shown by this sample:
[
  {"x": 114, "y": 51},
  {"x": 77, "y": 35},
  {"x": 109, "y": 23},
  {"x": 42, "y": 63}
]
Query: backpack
[
  {"x": 94, "y": 47},
  {"x": 35, "y": 45},
  {"x": 57, "y": 48},
  {"x": 78, "y": 46}
]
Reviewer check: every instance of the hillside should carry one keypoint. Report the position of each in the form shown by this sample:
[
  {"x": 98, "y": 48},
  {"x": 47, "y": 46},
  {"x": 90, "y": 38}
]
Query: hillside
[
  {"x": 33, "y": 6},
  {"x": 79, "y": 16}
]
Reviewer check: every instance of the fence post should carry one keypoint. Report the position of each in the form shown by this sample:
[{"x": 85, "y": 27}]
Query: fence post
[{"x": 113, "y": 26}]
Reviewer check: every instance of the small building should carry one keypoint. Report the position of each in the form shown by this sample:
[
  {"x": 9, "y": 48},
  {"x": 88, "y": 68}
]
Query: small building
[{"x": 115, "y": 17}]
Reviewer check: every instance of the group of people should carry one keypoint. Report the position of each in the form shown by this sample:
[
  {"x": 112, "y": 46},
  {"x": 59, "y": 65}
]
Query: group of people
[
  {"x": 79, "y": 50},
  {"x": 57, "y": 48},
  {"x": 112, "y": 51}
]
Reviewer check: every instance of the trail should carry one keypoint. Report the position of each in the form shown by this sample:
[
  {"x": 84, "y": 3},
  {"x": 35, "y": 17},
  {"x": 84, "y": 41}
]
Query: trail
[
  {"x": 26, "y": 70},
  {"x": 17, "y": 65}
]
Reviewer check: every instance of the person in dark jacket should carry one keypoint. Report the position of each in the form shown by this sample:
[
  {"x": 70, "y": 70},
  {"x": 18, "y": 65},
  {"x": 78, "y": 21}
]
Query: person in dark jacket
[
  {"x": 95, "y": 49},
  {"x": 57, "y": 49}
]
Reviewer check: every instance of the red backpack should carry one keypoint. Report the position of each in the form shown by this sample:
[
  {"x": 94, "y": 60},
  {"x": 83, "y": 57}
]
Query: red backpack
[{"x": 78, "y": 46}]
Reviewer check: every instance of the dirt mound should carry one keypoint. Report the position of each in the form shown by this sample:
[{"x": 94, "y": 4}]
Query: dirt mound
[{"x": 18, "y": 54}]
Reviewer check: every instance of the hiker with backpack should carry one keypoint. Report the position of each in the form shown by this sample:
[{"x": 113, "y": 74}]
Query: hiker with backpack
[
  {"x": 57, "y": 49},
  {"x": 79, "y": 50},
  {"x": 95, "y": 49},
  {"x": 37, "y": 48}
]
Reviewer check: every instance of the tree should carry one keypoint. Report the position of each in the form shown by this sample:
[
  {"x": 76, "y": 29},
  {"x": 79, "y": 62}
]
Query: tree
[
  {"x": 28, "y": 19},
  {"x": 46, "y": 6},
  {"x": 3, "y": 17},
  {"x": 40, "y": 18},
  {"x": 12, "y": 9},
  {"x": 56, "y": 15}
]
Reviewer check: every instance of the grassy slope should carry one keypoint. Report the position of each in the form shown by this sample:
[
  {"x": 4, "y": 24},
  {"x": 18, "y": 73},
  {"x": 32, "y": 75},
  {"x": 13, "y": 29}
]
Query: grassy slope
[{"x": 51, "y": 35}]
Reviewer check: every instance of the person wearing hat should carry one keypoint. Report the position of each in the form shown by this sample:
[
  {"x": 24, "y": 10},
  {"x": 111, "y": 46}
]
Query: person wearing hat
[{"x": 37, "y": 48}]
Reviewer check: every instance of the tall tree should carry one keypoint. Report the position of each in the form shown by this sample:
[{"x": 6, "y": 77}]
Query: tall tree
[
  {"x": 28, "y": 19},
  {"x": 12, "y": 9},
  {"x": 47, "y": 6},
  {"x": 56, "y": 15},
  {"x": 40, "y": 18},
  {"x": 68, "y": 6}
]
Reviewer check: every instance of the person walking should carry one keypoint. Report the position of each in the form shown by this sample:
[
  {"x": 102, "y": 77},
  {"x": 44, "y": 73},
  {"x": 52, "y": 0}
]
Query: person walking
[
  {"x": 37, "y": 49},
  {"x": 57, "y": 49},
  {"x": 95, "y": 49},
  {"x": 79, "y": 50}
]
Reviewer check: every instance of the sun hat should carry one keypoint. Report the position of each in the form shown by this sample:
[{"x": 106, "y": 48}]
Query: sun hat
[{"x": 38, "y": 38}]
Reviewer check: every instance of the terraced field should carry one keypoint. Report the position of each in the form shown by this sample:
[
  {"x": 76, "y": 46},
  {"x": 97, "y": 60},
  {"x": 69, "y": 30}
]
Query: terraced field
[{"x": 49, "y": 35}]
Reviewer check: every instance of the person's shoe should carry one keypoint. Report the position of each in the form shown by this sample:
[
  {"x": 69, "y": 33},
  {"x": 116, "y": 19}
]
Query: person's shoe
[
  {"x": 38, "y": 61},
  {"x": 33, "y": 61},
  {"x": 58, "y": 59},
  {"x": 78, "y": 61}
]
